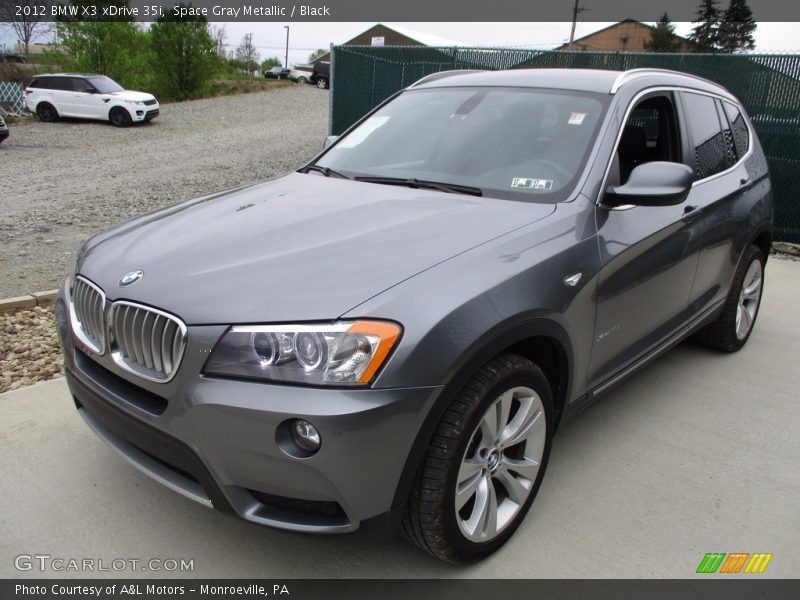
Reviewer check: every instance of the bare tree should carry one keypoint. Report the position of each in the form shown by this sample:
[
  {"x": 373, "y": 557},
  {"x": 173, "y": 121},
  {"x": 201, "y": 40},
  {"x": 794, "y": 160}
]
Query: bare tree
[
  {"x": 219, "y": 36},
  {"x": 29, "y": 20},
  {"x": 247, "y": 54}
]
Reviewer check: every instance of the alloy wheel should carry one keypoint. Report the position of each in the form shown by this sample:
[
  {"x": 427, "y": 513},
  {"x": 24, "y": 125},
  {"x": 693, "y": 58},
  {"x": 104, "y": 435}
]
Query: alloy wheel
[
  {"x": 749, "y": 298},
  {"x": 500, "y": 464}
]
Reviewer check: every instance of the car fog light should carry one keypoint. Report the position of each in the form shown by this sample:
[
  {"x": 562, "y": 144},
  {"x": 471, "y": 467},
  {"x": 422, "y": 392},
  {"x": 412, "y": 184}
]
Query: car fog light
[{"x": 305, "y": 435}]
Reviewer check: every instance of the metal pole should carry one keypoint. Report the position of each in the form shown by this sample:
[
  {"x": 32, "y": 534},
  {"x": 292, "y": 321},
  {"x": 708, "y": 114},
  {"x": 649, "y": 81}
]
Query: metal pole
[{"x": 286, "y": 59}]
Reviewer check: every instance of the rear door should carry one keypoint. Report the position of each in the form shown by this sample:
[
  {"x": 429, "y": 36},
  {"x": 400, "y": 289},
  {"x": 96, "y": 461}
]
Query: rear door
[{"x": 720, "y": 140}]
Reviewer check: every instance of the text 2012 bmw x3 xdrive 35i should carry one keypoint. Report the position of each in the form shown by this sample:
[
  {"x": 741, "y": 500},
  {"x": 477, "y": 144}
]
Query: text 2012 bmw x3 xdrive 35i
[{"x": 389, "y": 337}]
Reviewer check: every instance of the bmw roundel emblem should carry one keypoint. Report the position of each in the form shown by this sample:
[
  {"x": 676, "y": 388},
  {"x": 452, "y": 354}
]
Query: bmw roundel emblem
[{"x": 130, "y": 278}]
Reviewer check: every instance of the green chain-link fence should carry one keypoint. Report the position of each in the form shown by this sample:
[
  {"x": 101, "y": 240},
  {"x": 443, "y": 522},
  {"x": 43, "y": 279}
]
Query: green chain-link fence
[{"x": 767, "y": 84}]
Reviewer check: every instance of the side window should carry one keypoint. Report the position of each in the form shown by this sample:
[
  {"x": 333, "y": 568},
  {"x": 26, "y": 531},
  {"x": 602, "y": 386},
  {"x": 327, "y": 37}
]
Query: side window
[
  {"x": 739, "y": 131},
  {"x": 727, "y": 137},
  {"x": 708, "y": 139},
  {"x": 57, "y": 83},
  {"x": 35, "y": 83},
  {"x": 81, "y": 85},
  {"x": 650, "y": 133}
]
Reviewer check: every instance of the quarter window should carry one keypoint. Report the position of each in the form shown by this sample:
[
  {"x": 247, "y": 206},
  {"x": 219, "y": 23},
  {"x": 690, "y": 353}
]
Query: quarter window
[
  {"x": 741, "y": 135},
  {"x": 708, "y": 139}
]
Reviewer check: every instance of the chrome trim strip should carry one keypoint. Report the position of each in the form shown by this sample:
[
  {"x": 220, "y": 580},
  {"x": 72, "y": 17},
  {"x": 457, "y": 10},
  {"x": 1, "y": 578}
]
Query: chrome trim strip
[{"x": 630, "y": 74}]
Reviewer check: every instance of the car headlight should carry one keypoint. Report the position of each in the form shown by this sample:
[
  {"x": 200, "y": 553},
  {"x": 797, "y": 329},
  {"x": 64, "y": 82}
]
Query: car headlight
[
  {"x": 346, "y": 353},
  {"x": 135, "y": 102}
]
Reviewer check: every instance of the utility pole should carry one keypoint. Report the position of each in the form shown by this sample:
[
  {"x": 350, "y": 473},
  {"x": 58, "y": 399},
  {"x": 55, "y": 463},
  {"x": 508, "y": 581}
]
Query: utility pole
[
  {"x": 286, "y": 59},
  {"x": 575, "y": 11}
]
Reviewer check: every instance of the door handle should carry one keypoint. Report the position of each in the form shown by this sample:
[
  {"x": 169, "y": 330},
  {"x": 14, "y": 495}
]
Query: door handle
[{"x": 690, "y": 212}]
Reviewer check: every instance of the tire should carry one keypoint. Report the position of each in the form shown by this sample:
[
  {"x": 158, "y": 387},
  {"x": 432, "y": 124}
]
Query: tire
[
  {"x": 120, "y": 117},
  {"x": 46, "y": 112},
  {"x": 509, "y": 390},
  {"x": 732, "y": 329},
  {"x": 302, "y": 80},
  {"x": 322, "y": 83}
]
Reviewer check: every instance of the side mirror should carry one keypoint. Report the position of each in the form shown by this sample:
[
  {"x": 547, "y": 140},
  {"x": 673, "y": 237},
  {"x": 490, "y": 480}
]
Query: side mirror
[
  {"x": 653, "y": 184},
  {"x": 329, "y": 140}
]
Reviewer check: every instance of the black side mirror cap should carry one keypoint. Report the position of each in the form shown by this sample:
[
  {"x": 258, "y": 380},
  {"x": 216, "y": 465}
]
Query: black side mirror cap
[{"x": 653, "y": 184}]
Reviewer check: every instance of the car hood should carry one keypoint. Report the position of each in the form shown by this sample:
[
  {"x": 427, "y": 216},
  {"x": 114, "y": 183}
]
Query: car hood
[
  {"x": 300, "y": 248},
  {"x": 131, "y": 96}
]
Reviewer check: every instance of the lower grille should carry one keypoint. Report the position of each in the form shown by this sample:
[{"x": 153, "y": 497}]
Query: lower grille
[
  {"x": 146, "y": 341},
  {"x": 88, "y": 307}
]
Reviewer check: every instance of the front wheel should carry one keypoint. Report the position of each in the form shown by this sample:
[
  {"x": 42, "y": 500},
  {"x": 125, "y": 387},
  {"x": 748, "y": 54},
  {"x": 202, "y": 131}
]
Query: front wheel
[
  {"x": 485, "y": 463},
  {"x": 302, "y": 80},
  {"x": 735, "y": 324},
  {"x": 120, "y": 117},
  {"x": 322, "y": 83}
]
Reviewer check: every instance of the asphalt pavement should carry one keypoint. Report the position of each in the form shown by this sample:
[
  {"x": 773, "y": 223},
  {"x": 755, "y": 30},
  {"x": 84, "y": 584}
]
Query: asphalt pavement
[{"x": 699, "y": 452}]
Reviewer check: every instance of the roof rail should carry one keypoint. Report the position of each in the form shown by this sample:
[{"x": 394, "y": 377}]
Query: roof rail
[
  {"x": 626, "y": 76},
  {"x": 442, "y": 75}
]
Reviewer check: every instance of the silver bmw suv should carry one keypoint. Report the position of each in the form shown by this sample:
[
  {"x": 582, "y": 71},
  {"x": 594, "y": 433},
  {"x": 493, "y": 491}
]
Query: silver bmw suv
[{"x": 388, "y": 338}]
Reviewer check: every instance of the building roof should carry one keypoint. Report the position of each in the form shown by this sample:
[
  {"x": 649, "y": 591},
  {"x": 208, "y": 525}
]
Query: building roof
[{"x": 624, "y": 23}]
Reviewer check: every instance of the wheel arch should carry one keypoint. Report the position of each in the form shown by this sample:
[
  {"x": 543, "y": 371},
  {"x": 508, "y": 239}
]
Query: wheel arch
[{"x": 541, "y": 340}]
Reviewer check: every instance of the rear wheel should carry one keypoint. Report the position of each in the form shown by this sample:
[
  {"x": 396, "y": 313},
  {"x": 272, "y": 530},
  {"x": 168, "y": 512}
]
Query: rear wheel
[
  {"x": 46, "y": 112},
  {"x": 302, "y": 80},
  {"x": 735, "y": 324},
  {"x": 322, "y": 83},
  {"x": 485, "y": 463},
  {"x": 120, "y": 117}
]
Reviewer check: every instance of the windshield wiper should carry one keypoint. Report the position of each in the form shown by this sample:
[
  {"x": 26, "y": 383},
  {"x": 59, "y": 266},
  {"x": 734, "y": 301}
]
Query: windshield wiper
[
  {"x": 452, "y": 188},
  {"x": 327, "y": 171}
]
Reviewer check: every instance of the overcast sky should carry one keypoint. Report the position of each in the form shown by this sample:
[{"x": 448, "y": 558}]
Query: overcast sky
[{"x": 270, "y": 38}]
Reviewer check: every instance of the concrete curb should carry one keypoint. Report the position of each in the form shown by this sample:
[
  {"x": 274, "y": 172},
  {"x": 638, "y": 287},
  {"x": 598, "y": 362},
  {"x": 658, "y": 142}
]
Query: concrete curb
[{"x": 28, "y": 301}]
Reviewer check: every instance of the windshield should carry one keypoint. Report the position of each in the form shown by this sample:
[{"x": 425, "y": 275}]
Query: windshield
[
  {"x": 515, "y": 143},
  {"x": 105, "y": 85}
]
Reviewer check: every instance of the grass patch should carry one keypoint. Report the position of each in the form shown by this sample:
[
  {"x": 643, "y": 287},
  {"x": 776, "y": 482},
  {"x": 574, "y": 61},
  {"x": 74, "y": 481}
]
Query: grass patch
[{"x": 23, "y": 120}]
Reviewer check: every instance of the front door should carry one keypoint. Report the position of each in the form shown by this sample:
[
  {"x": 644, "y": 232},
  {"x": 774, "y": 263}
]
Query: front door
[{"x": 649, "y": 253}]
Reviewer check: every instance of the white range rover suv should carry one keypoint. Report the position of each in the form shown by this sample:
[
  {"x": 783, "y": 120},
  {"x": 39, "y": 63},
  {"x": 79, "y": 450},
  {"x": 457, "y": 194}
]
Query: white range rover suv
[{"x": 88, "y": 97}]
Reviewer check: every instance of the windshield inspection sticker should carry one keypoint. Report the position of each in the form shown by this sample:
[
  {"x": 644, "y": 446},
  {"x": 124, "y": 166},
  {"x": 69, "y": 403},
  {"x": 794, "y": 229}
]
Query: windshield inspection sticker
[
  {"x": 532, "y": 184},
  {"x": 576, "y": 118}
]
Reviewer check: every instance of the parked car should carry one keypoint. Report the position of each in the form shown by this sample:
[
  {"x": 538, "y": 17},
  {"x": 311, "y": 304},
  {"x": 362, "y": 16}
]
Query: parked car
[
  {"x": 301, "y": 73},
  {"x": 390, "y": 336},
  {"x": 88, "y": 97},
  {"x": 276, "y": 73},
  {"x": 4, "y": 133},
  {"x": 321, "y": 75}
]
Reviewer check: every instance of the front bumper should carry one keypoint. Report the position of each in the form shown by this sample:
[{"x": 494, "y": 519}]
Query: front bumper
[
  {"x": 214, "y": 440},
  {"x": 142, "y": 114}
]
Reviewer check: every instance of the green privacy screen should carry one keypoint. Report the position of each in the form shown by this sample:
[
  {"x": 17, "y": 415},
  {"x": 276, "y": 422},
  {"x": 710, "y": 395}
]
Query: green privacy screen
[{"x": 768, "y": 85}]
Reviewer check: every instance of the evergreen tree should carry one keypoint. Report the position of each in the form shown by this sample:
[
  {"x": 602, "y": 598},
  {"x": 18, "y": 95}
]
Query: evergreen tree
[
  {"x": 737, "y": 27},
  {"x": 663, "y": 38},
  {"x": 706, "y": 33}
]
